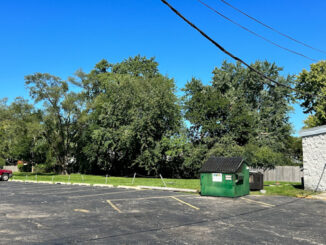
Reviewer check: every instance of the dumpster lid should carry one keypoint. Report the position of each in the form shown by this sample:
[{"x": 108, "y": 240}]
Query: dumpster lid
[{"x": 222, "y": 165}]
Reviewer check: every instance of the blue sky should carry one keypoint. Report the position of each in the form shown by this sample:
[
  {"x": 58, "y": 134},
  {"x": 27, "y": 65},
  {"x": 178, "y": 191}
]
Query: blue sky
[{"x": 60, "y": 37}]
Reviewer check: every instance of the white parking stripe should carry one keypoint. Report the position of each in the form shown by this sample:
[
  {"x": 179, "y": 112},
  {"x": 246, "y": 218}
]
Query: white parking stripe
[{"x": 105, "y": 194}]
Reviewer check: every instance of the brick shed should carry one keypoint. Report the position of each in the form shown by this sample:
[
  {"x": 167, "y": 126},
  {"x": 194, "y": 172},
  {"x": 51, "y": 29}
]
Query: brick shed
[{"x": 314, "y": 157}]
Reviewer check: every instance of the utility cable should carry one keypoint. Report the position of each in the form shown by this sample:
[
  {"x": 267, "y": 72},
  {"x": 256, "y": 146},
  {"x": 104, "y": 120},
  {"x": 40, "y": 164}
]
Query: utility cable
[
  {"x": 273, "y": 29},
  {"x": 255, "y": 33},
  {"x": 230, "y": 54}
]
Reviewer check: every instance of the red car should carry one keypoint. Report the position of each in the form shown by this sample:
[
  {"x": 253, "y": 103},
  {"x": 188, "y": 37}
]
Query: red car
[{"x": 5, "y": 174}]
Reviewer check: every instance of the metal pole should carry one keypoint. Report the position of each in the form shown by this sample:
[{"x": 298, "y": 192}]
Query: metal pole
[
  {"x": 36, "y": 177},
  {"x": 106, "y": 179},
  {"x": 162, "y": 180},
  {"x": 133, "y": 179},
  {"x": 69, "y": 178},
  {"x": 321, "y": 176}
]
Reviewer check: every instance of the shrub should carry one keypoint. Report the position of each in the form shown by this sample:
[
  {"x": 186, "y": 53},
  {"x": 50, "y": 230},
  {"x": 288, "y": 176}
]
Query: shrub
[
  {"x": 42, "y": 168},
  {"x": 24, "y": 168},
  {"x": 2, "y": 162}
]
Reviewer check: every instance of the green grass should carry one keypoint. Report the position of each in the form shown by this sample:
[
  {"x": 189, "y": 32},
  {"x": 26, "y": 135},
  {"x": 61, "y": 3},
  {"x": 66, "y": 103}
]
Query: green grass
[
  {"x": 284, "y": 189},
  {"x": 95, "y": 179},
  {"x": 272, "y": 188}
]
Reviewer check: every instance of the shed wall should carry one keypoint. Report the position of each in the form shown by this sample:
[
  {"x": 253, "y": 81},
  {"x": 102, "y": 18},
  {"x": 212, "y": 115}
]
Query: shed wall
[{"x": 314, "y": 162}]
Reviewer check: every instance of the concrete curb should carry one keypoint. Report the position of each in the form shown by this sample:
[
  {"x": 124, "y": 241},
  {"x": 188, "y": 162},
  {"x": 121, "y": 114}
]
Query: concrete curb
[
  {"x": 103, "y": 185},
  {"x": 318, "y": 197},
  {"x": 83, "y": 184},
  {"x": 168, "y": 189},
  {"x": 45, "y": 182},
  {"x": 129, "y": 187},
  {"x": 62, "y": 183},
  {"x": 139, "y": 187}
]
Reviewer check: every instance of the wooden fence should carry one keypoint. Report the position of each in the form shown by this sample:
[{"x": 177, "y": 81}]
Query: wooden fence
[{"x": 282, "y": 173}]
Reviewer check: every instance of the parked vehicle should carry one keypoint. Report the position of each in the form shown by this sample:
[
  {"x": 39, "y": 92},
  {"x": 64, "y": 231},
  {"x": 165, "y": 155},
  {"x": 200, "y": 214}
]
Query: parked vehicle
[{"x": 5, "y": 174}]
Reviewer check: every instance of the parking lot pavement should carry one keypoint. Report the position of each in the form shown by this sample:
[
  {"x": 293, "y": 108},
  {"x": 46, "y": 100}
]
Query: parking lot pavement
[{"x": 64, "y": 214}]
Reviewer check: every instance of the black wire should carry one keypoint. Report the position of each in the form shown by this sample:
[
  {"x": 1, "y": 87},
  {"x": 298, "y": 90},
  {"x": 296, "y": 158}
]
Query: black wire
[
  {"x": 254, "y": 33},
  {"x": 273, "y": 29},
  {"x": 230, "y": 54}
]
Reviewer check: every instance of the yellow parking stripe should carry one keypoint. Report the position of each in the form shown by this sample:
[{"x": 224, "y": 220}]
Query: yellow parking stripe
[
  {"x": 184, "y": 202},
  {"x": 113, "y": 206},
  {"x": 262, "y": 203}
]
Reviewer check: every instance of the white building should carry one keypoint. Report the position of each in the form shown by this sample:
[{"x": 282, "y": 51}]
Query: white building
[{"x": 314, "y": 158}]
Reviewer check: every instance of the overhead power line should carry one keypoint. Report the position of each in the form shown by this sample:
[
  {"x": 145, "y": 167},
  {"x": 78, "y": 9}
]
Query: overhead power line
[
  {"x": 255, "y": 33},
  {"x": 230, "y": 54},
  {"x": 273, "y": 29}
]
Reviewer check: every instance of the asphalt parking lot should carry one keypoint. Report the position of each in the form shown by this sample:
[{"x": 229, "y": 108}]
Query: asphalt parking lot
[{"x": 34, "y": 213}]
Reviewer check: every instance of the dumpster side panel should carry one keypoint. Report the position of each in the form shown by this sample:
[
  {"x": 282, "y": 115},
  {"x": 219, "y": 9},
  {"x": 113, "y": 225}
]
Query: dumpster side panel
[
  {"x": 211, "y": 186},
  {"x": 242, "y": 188}
]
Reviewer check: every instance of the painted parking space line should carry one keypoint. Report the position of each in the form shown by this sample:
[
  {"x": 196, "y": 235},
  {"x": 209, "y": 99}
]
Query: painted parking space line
[
  {"x": 104, "y": 194},
  {"x": 113, "y": 206},
  {"x": 188, "y": 204},
  {"x": 40, "y": 188},
  {"x": 54, "y": 192},
  {"x": 39, "y": 191},
  {"x": 261, "y": 203},
  {"x": 81, "y": 210},
  {"x": 148, "y": 198}
]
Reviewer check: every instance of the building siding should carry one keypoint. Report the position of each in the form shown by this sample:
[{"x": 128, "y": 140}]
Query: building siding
[{"x": 314, "y": 161}]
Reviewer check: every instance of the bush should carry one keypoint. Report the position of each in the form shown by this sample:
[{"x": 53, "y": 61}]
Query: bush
[
  {"x": 42, "y": 168},
  {"x": 2, "y": 162},
  {"x": 24, "y": 168}
]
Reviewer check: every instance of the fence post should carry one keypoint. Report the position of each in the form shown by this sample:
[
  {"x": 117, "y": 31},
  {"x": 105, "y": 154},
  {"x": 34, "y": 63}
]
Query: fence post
[
  {"x": 133, "y": 179},
  {"x": 162, "y": 180}
]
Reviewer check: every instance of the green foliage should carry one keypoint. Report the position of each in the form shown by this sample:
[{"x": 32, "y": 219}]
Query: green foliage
[
  {"x": 61, "y": 112},
  {"x": 263, "y": 157},
  {"x": 2, "y": 162},
  {"x": 42, "y": 168},
  {"x": 126, "y": 118},
  {"x": 24, "y": 168},
  {"x": 20, "y": 131},
  {"x": 131, "y": 109},
  {"x": 237, "y": 109},
  {"x": 313, "y": 85}
]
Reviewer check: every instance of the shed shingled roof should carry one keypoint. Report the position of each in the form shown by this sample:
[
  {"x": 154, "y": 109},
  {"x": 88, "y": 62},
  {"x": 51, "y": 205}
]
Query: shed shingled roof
[{"x": 222, "y": 165}]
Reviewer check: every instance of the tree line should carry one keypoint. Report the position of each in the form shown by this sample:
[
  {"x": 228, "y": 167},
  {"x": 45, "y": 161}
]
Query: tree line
[{"x": 126, "y": 117}]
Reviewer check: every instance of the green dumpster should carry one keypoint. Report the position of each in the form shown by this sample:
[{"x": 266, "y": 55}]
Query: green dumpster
[{"x": 224, "y": 177}]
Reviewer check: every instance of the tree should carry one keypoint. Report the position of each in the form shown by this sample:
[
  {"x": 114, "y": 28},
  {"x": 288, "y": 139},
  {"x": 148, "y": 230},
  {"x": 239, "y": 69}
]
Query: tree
[
  {"x": 238, "y": 109},
  {"x": 61, "y": 112},
  {"x": 131, "y": 108},
  {"x": 313, "y": 86},
  {"x": 20, "y": 131}
]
